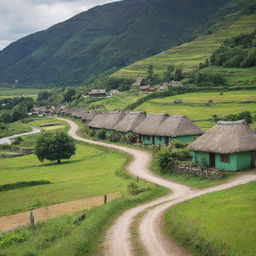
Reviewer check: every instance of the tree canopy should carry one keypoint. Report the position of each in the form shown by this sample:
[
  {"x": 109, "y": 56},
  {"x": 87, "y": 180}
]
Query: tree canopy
[{"x": 54, "y": 146}]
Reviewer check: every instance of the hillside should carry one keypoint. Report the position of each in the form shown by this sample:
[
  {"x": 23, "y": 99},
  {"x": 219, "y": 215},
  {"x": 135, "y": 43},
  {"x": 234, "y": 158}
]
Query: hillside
[
  {"x": 189, "y": 55},
  {"x": 106, "y": 38}
]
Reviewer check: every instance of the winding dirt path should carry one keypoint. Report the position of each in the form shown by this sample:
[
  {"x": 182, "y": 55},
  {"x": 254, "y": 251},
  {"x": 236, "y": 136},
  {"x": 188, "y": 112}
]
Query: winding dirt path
[{"x": 117, "y": 242}]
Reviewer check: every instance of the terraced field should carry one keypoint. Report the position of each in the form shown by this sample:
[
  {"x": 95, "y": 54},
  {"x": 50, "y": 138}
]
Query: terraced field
[
  {"x": 197, "y": 108},
  {"x": 9, "y": 93},
  {"x": 189, "y": 55}
]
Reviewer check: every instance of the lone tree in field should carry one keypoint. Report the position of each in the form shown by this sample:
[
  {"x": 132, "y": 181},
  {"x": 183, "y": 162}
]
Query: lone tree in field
[{"x": 54, "y": 146}]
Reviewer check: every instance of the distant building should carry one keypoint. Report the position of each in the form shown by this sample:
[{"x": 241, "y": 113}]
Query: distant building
[
  {"x": 176, "y": 84},
  {"x": 114, "y": 92},
  {"x": 173, "y": 84},
  {"x": 98, "y": 93},
  {"x": 147, "y": 88},
  {"x": 140, "y": 81}
]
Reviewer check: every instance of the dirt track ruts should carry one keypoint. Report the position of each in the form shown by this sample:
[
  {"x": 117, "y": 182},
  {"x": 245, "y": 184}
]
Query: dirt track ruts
[{"x": 117, "y": 242}]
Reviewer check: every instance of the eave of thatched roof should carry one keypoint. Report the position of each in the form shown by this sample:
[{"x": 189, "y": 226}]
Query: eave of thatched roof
[
  {"x": 226, "y": 138},
  {"x": 98, "y": 121},
  {"x": 112, "y": 119},
  {"x": 88, "y": 116},
  {"x": 150, "y": 125},
  {"x": 130, "y": 122},
  {"x": 178, "y": 125}
]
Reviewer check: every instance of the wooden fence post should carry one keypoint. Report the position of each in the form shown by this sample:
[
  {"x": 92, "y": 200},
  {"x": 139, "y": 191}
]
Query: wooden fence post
[
  {"x": 32, "y": 219},
  {"x": 105, "y": 199}
]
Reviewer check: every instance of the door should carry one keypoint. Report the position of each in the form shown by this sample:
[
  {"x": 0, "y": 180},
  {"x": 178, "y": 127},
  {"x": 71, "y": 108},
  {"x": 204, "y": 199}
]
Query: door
[
  {"x": 254, "y": 159},
  {"x": 212, "y": 160},
  {"x": 153, "y": 139},
  {"x": 166, "y": 140}
]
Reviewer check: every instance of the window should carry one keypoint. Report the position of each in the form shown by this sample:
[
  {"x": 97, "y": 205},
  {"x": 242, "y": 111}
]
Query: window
[{"x": 225, "y": 158}]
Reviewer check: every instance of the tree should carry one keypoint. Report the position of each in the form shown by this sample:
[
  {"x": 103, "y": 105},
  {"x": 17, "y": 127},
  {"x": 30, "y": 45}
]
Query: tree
[
  {"x": 44, "y": 95},
  {"x": 150, "y": 74},
  {"x": 20, "y": 111},
  {"x": 69, "y": 95},
  {"x": 54, "y": 146},
  {"x": 6, "y": 117},
  {"x": 178, "y": 74},
  {"x": 168, "y": 74}
]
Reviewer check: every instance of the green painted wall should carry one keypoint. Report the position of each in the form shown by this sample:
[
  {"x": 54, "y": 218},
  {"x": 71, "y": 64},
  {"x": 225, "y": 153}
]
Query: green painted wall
[
  {"x": 238, "y": 161},
  {"x": 160, "y": 140},
  {"x": 147, "y": 140},
  {"x": 183, "y": 139},
  {"x": 202, "y": 158}
]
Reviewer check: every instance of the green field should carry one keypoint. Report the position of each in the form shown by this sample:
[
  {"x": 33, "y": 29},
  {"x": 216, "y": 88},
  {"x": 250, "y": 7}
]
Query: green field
[
  {"x": 9, "y": 93},
  {"x": 113, "y": 103},
  {"x": 222, "y": 223},
  {"x": 13, "y": 128},
  {"x": 195, "y": 105},
  {"x": 189, "y": 55},
  {"x": 90, "y": 172}
]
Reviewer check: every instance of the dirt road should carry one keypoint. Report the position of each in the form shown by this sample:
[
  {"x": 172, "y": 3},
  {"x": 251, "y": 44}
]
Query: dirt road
[{"x": 118, "y": 238}]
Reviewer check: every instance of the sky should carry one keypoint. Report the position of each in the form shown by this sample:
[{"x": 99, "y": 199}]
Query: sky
[{"x": 19, "y": 18}]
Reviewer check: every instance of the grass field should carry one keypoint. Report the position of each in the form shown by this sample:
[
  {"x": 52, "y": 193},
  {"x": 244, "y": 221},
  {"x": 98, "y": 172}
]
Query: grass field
[
  {"x": 189, "y": 55},
  {"x": 222, "y": 223},
  {"x": 92, "y": 171},
  {"x": 13, "y": 128},
  {"x": 113, "y": 103},
  {"x": 73, "y": 237},
  {"x": 10, "y": 93},
  {"x": 196, "y": 108}
]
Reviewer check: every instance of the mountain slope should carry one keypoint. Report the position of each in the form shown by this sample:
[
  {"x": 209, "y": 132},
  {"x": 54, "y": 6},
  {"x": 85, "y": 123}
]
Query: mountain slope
[
  {"x": 103, "y": 39},
  {"x": 189, "y": 55}
]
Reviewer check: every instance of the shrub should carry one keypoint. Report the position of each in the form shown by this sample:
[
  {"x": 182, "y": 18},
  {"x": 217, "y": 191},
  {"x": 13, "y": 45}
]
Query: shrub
[
  {"x": 133, "y": 189},
  {"x": 101, "y": 134},
  {"x": 178, "y": 144}
]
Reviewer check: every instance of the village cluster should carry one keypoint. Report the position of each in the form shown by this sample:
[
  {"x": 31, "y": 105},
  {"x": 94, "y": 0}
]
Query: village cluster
[{"x": 229, "y": 146}]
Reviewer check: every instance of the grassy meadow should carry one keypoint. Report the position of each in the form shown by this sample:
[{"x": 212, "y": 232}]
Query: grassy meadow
[
  {"x": 195, "y": 105},
  {"x": 221, "y": 223},
  {"x": 13, "y": 128},
  {"x": 189, "y": 55},
  {"x": 113, "y": 103},
  {"x": 92, "y": 171},
  {"x": 14, "y": 92}
]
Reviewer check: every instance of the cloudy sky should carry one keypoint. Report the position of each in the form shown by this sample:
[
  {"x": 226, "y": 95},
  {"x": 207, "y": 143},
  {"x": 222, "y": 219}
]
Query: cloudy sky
[{"x": 19, "y": 18}]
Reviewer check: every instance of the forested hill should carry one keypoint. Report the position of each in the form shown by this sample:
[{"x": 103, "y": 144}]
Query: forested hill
[{"x": 104, "y": 39}]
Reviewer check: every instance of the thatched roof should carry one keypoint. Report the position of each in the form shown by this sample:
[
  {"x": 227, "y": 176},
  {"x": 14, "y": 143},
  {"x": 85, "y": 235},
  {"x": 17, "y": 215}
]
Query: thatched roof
[
  {"x": 226, "y": 138},
  {"x": 88, "y": 116},
  {"x": 130, "y": 122},
  {"x": 98, "y": 91},
  {"x": 178, "y": 125},
  {"x": 176, "y": 84},
  {"x": 150, "y": 125},
  {"x": 98, "y": 121},
  {"x": 112, "y": 119}
]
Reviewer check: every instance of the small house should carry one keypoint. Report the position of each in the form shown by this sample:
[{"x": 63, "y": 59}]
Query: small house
[
  {"x": 177, "y": 127},
  {"x": 130, "y": 122},
  {"x": 230, "y": 146},
  {"x": 88, "y": 116},
  {"x": 112, "y": 119},
  {"x": 177, "y": 101},
  {"x": 147, "y": 88},
  {"x": 98, "y": 93},
  {"x": 176, "y": 84},
  {"x": 148, "y": 129},
  {"x": 98, "y": 121},
  {"x": 114, "y": 92},
  {"x": 140, "y": 81},
  {"x": 165, "y": 86}
]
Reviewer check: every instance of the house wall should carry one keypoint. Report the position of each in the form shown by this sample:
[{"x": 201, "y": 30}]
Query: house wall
[
  {"x": 147, "y": 140},
  {"x": 183, "y": 139},
  {"x": 238, "y": 161}
]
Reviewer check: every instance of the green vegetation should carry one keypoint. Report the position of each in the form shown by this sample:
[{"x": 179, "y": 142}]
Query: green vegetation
[
  {"x": 221, "y": 223},
  {"x": 29, "y": 93},
  {"x": 92, "y": 171},
  {"x": 236, "y": 52},
  {"x": 54, "y": 146},
  {"x": 201, "y": 106},
  {"x": 78, "y": 234},
  {"x": 109, "y": 104},
  {"x": 13, "y": 128},
  {"x": 70, "y": 54},
  {"x": 190, "y": 55}
]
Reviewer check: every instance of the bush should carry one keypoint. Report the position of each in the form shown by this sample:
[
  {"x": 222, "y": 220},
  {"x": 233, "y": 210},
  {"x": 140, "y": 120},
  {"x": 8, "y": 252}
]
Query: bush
[
  {"x": 177, "y": 144},
  {"x": 133, "y": 189},
  {"x": 101, "y": 134}
]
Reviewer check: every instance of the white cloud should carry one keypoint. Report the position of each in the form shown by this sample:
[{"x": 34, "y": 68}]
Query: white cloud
[{"x": 19, "y": 18}]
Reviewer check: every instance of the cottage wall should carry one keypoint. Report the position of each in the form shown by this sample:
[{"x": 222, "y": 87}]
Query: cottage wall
[{"x": 147, "y": 140}]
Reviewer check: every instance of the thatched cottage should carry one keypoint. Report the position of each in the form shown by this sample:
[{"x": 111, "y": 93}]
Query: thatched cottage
[
  {"x": 148, "y": 129},
  {"x": 140, "y": 81},
  {"x": 177, "y": 127},
  {"x": 130, "y": 122},
  {"x": 112, "y": 119},
  {"x": 98, "y": 121},
  {"x": 98, "y": 93},
  {"x": 230, "y": 146}
]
